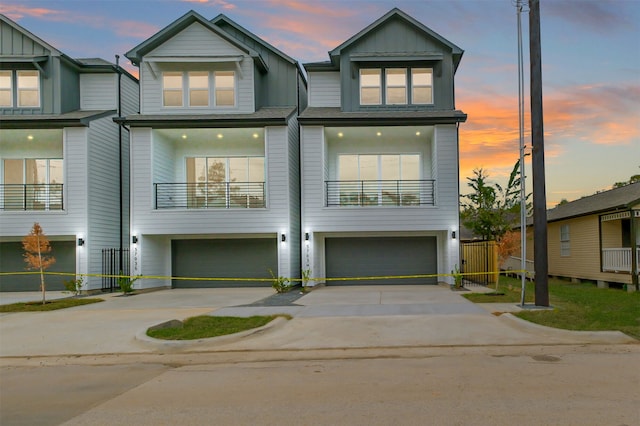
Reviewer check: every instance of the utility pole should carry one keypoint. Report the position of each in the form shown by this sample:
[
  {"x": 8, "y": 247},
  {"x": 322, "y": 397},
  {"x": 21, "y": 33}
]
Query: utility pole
[
  {"x": 523, "y": 192},
  {"x": 541, "y": 262}
]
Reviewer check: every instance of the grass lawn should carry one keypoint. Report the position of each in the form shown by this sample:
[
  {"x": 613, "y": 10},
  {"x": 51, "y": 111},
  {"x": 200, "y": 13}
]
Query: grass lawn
[
  {"x": 50, "y": 305},
  {"x": 204, "y": 326},
  {"x": 576, "y": 306}
]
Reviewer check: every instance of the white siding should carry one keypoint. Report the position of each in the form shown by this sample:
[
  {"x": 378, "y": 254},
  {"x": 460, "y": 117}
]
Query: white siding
[
  {"x": 324, "y": 89},
  {"x": 195, "y": 41},
  {"x": 130, "y": 96},
  {"x": 294, "y": 198},
  {"x": 98, "y": 91}
]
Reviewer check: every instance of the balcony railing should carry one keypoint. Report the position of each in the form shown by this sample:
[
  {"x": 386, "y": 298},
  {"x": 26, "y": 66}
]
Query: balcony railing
[
  {"x": 618, "y": 259},
  {"x": 31, "y": 197},
  {"x": 219, "y": 195},
  {"x": 380, "y": 193}
]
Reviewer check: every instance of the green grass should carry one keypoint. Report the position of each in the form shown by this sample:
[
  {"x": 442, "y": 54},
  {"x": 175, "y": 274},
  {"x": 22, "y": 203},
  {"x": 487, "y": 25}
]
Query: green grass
[
  {"x": 50, "y": 305},
  {"x": 576, "y": 306},
  {"x": 204, "y": 326}
]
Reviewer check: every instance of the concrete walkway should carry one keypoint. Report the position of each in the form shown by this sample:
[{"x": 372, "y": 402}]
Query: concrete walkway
[{"x": 326, "y": 318}]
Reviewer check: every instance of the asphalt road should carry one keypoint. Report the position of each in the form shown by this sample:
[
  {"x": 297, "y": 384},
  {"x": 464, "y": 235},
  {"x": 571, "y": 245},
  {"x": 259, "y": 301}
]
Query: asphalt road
[{"x": 524, "y": 385}]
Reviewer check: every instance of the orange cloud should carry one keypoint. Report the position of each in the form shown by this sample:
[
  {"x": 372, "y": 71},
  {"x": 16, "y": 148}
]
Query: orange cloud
[{"x": 313, "y": 8}]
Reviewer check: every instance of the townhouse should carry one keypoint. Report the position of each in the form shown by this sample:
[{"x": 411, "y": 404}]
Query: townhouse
[{"x": 63, "y": 161}]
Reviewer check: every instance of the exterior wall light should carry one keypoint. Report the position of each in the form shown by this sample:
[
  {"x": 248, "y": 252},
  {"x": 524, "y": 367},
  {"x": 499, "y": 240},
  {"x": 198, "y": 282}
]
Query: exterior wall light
[
  {"x": 134, "y": 239},
  {"x": 80, "y": 242},
  {"x": 306, "y": 236},
  {"x": 453, "y": 235},
  {"x": 283, "y": 238}
]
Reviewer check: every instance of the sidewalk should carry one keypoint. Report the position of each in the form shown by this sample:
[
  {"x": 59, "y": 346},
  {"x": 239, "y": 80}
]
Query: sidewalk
[{"x": 329, "y": 317}]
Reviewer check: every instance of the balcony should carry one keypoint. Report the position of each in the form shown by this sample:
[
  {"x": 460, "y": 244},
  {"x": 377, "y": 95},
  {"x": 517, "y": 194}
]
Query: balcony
[
  {"x": 368, "y": 193},
  {"x": 210, "y": 195},
  {"x": 618, "y": 259},
  {"x": 27, "y": 197}
]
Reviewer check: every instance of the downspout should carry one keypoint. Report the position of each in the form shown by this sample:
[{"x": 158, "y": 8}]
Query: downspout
[
  {"x": 634, "y": 250},
  {"x": 119, "y": 71}
]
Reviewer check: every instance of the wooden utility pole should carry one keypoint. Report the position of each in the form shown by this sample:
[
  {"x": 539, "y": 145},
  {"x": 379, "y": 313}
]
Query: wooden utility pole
[{"x": 541, "y": 262}]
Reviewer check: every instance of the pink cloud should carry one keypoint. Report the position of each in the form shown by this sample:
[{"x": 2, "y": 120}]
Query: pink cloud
[{"x": 218, "y": 3}]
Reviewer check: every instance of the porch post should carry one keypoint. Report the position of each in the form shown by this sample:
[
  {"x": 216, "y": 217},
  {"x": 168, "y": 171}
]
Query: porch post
[{"x": 634, "y": 252}]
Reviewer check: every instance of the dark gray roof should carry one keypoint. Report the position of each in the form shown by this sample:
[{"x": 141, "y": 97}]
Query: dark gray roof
[
  {"x": 335, "y": 116},
  {"x": 94, "y": 61},
  {"x": 616, "y": 199},
  {"x": 77, "y": 118},
  {"x": 270, "y": 116}
]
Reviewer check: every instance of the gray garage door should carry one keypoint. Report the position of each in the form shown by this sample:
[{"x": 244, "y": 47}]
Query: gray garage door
[
  {"x": 238, "y": 258},
  {"x": 374, "y": 256},
  {"x": 11, "y": 260}
]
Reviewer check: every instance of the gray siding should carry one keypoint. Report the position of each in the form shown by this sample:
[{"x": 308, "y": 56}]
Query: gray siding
[
  {"x": 98, "y": 91},
  {"x": 15, "y": 43},
  {"x": 324, "y": 89},
  {"x": 67, "y": 97}
]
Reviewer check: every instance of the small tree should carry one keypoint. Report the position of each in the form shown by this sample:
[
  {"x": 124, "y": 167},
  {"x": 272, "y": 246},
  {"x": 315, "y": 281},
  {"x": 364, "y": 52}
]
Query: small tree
[
  {"x": 507, "y": 245},
  {"x": 37, "y": 248}
]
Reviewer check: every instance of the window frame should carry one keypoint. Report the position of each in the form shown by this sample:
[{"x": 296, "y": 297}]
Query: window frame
[
  {"x": 192, "y": 89},
  {"x": 20, "y": 89},
  {"x": 232, "y": 88},
  {"x": 384, "y": 86},
  {"x": 565, "y": 240},
  {"x": 378, "y": 86},
  {"x": 165, "y": 90},
  {"x": 8, "y": 89},
  {"x": 388, "y": 86},
  {"x": 414, "y": 86}
]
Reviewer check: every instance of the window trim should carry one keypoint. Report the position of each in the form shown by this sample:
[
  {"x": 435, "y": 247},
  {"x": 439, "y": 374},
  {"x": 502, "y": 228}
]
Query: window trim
[
  {"x": 233, "y": 89},
  {"x": 383, "y": 87},
  {"x": 414, "y": 86},
  {"x": 20, "y": 89},
  {"x": 198, "y": 89},
  {"x": 8, "y": 89},
  {"x": 565, "y": 240},
  {"x": 165, "y": 89},
  {"x": 390, "y": 86}
]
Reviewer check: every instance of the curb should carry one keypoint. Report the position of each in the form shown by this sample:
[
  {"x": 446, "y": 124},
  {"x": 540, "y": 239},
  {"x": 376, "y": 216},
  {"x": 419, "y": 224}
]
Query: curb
[
  {"x": 610, "y": 337},
  {"x": 169, "y": 345}
]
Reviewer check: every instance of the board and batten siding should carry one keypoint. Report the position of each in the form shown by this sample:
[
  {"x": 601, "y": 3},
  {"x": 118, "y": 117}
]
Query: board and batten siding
[
  {"x": 201, "y": 43},
  {"x": 324, "y": 89},
  {"x": 98, "y": 91}
]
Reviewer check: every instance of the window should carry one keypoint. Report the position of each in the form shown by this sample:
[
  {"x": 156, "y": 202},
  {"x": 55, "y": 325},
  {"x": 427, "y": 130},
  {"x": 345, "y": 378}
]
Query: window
[
  {"x": 397, "y": 89},
  {"x": 225, "y": 83},
  {"x": 28, "y": 88},
  {"x": 198, "y": 89},
  {"x": 385, "y": 179},
  {"x": 172, "y": 89},
  {"x": 396, "y": 80},
  {"x": 370, "y": 87},
  {"x": 226, "y": 181},
  {"x": 33, "y": 184},
  {"x": 565, "y": 242},
  {"x": 6, "y": 92},
  {"x": 422, "y": 86}
]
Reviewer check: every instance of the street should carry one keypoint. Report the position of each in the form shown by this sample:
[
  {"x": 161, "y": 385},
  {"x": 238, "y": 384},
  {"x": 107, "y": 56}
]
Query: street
[{"x": 491, "y": 385}]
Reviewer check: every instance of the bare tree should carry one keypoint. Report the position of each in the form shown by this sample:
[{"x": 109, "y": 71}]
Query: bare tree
[{"x": 37, "y": 248}]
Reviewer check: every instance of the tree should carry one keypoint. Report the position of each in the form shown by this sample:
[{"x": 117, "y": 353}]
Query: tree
[
  {"x": 507, "y": 245},
  {"x": 632, "y": 179},
  {"x": 491, "y": 210},
  {"x": 37, "y": 248}
]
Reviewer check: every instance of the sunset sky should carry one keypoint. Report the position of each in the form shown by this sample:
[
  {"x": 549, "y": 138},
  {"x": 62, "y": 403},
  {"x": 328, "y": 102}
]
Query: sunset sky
[{"x": 590, "y": 58}]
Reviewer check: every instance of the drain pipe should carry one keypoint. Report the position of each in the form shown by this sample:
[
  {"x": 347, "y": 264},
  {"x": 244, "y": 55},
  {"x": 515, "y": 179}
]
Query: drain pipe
[{"x": 119, "y": 71}]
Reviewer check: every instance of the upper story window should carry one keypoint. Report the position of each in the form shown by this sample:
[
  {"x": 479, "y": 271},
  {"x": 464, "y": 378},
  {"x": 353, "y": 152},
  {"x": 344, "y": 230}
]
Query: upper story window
[
  {"x": 199, "y": 89},
  {"x": 27, "y": 93},
  {"x": 197, "y": 86},
  {"x": 172, "y": 89},
  {"x": 225, "y": 82},
  {"x": 370, "y": 87},
  {"x": 396, "y": 87}
]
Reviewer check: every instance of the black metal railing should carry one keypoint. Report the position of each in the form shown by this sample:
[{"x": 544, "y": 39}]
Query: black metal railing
[
  {"x": 222, "y": 195},
  {"x": 380, "y": 193},
  {"x": 114, "y": 263},
  {"x": 38, "y": 196}
]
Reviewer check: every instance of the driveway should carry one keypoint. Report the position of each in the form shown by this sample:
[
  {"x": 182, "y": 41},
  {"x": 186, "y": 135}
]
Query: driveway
[{"x": 326, "y": 318}]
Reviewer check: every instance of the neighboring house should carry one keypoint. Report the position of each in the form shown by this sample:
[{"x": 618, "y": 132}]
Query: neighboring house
[
  {"x": 215, "y": 151},
  {"x": 379, "y": 145},
  {"x": 595, "y": 238},
  {"x": 60, "y": 156}
]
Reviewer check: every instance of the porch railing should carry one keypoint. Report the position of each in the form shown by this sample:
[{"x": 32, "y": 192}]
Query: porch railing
[
  {"x": 31, "y": 196},
  {"x": 362, "y": 193},
  {"x": 225, "y": 195},
  {"x": 618, "y": 259}
]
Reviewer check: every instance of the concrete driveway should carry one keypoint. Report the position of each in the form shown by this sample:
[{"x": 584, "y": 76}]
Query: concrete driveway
[{"x": 326, "y": 318}]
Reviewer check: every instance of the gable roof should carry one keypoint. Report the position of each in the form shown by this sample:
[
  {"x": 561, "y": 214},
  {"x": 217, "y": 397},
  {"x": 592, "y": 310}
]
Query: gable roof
[
  {"x": 396, "y": 13},
  {"x": 622, "y": 198},
  {"x": 52, "y": 50},
  {"x": 191, "y": 17}
]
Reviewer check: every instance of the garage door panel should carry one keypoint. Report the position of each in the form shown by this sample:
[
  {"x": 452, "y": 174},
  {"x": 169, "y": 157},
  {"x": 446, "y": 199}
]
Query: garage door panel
[
  {"x": 12, "y": 260},
  {"x": 381, "y": 256},
  {"x": 233, "y": 258}
]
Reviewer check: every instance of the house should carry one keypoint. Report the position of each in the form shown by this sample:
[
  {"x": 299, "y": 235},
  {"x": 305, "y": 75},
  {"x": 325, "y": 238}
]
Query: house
[
  {"x": 214, "y": 157},
  {"x": 594, "y": 238},
  {"x": 379, "y": 158},
  {"x": 63, "y": 161}
]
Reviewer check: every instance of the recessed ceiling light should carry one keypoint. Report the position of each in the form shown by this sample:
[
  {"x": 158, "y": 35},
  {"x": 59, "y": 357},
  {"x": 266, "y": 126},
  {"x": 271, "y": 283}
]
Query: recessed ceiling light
[
  {"x": 184, "y": 136},
  {"x": 378, "y": 133},
  {"x": 220, "y": 136},
  {"x": 30, "y": 137},
  {"x": 340, "y": 134},
  {"x": 417, "y": 133},
  {"x": 255, "y": 136}
]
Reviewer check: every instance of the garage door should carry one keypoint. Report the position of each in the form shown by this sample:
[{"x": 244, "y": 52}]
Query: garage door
[
  {"x": 388, "y": 256},
  {"x": 11, "y": 260},
  {"x": 238, "y": 258}
]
